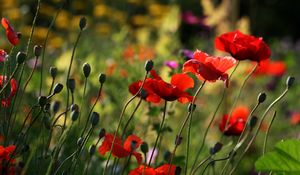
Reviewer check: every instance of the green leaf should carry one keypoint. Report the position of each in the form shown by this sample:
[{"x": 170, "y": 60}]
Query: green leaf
[{"x": 285, "y": 159}]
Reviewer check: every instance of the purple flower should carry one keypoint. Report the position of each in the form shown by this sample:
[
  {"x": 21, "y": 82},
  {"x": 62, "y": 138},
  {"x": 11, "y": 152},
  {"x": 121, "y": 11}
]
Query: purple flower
[
  {"x": 172, "y": 64},
  {"x": 187, "y": 54},
  {"x": 148, "y": 155}
]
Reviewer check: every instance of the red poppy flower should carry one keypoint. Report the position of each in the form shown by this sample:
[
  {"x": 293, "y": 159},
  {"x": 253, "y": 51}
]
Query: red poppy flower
[
  {"x": 209, "y": 68},
  {"x": 3, "y": 55},
  {"x": 5, "y": 153},
  {"x": 272, "y": 68},
  {"x": 11, "y": 35},
  {"x": 121, "y": 150},
  {"x": 156, "y": 88},
  {"x": 236, "y": 123},
  {"x": 13, "y": 90},
  {"x": 242, "y": 46},
  {"x": 295, "y": 119},
  {"x": 145, "y": 170}
]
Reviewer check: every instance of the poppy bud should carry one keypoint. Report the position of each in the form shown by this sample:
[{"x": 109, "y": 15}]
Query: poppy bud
[
  {"x": 290, "y": 81},
  {"x": 149, "y": 65},
  {"x": 86, "y": 69},
  {"x": 74, "y": 107},
  {"x": 94, "y": 118},
  {"x": 21, "y": 56},
  {"x": 178, "y": 140},
  {"x": 144, "y": 147},
  {"x": 253, "y": 122},
  {"x": 42, "y": 100},
  {"x": 191, "y": 107},
  {"x": 167, "y": 156},
  {"x": 19, "y": 34},
  {"x": 261, "y": 97},
  {"x": 102, "y": 133},
  {"x": 143, "y": 93},
  {"x": 217, "y": 147},
  {"x": 71, "y": 84},
  {"x": 80, "y": 141},
  {"x": 92, "y": 149},
  {"x": 74, "y": 115},
  {"x": 37, "y": 50},
  {"x": 58, "y": 88},
  {"x": 53, "y": 72},
  {"x": 177, "y": 170},
  {"x": 102, "y": 78},
  {"x": 55, "y": 106},
  {"x": 82, "y": 23}
]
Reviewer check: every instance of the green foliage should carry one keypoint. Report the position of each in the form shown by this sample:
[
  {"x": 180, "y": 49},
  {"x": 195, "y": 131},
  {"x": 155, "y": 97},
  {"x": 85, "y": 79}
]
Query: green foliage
[{"x": 285, "y": 159}]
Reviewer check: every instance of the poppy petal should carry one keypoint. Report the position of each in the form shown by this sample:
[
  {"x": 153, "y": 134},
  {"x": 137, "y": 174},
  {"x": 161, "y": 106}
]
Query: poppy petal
[{"x": 182, "y": 81}]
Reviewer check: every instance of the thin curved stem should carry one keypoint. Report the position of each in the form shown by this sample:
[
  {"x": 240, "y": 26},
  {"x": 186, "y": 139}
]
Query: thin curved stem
[{"x": 200, "y": 164}]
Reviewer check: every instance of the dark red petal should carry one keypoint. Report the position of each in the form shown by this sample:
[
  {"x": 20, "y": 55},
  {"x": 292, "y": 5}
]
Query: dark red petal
[{"x": 182, "y": 81}]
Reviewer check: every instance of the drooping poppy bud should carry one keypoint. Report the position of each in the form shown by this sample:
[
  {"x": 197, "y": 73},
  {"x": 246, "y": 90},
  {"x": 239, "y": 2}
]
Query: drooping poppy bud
[
  {"x": 102, "y": 78},
  {"x": 82, "y": 23},
  {"x": 86, "y": 69},
  {"x": 149, "y": 65},
  {"x": 21, "y": 56},
  {"x": 58, "y": 88}
]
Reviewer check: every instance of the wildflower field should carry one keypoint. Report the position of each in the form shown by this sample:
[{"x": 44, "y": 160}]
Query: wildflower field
[{"x": 155, "y": 87}]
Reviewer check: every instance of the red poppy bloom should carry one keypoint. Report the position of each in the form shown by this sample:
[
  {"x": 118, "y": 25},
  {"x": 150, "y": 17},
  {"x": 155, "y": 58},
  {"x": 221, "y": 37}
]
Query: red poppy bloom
[
  {"x": 272, "y": 68},
  {"x": 121, "y": 150},
  {"x": 13, "y": 90},
  {"x": 145, "y": 170},
  {"x": 3, "y": 55},
  {"x": 209, "y": 68},
  {"x": 5, "y": 153},
  {"x": 156, "y": 88},
  {"x": 236, "y": 123},
  {"x": 295, "y": 119},
  {"x": 11, "y": 35},
  {"x": 242, "y": 46}
]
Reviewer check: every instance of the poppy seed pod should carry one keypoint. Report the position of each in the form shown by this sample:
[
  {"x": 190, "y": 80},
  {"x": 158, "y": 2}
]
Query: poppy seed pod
[
  {"x": 55, "y": 106},
  {"x": 42, "y": 100},
  {"x": 102, "y": 78},
  {"x": 86, "y": 69},
  {"x": 74, "y": 115},
  {"x": 58, "y": 88},
  {"x": 149, "y": 65},
  {"x": 21, "y": 56},
  {"x": 71, "y": 84},
  {"x": 191, "y": 107},
  {"x": 82, "y": 23},
  {"x": 178, "y": 140},
  {"x": 80, "y": 141},
  {"x": 217, "y": 147},
  {"x": 95, "y": 118},
  {"x": 37, "y": 50},
  {"x": 290, "y": 81},
  {"x": 261, "y": 97},
  {"x": 53, "y": 72},
  {"x": 177, "y": 170},
  {"x": 102, "y": 133},
  {"x": 144, "y": 147},
  {"x": 92, "y": 149}
]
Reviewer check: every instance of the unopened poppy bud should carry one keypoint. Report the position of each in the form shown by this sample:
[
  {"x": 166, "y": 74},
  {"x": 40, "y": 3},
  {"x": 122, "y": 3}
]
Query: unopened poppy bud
[
  {"x": 149, "y": 65},
  {"x": 21, "y": 56},
  {"x": 253, "y": 122},
  {"x": 95, "y": 118},
  {"x": 102, "y": 133},
  {"x": 74, "y": 115},
  {"x": 74, "y": 107},
  {"x": 102, "y": 78},
  {"x": 290, "y": 81},
  {"x": 55, "y": 106},
  {"x": 82, "y": 23},
  {"x": 86, "y": 69},
  {"x": 37, "y": 50},
  {"x": 217, "y": 147},
  {"x": 143, "y": 93},
  {"x": 92, "y": 149},
  {"x": 167, "y": 155},
  {"x": 191, "y": 107},
  {"x": 42, "y": 100},
  {"x": 177, "y": 170},
  {"x": 178, "y": 140},
  {"x": 80, "y": 141},
  {"x": 58, "y": 88},
  {"x": 53, "y": 72},
  {"x": 144, "y": 147},
  {"x": 261, "y": 97},
  {"x": 71, "y": 84}
]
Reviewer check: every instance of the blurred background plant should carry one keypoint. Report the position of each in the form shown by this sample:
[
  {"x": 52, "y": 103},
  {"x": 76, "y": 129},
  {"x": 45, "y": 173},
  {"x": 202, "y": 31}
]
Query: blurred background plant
[{"x": 122, "y": 34}]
